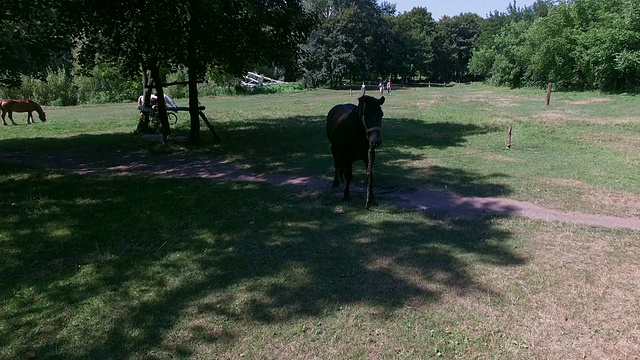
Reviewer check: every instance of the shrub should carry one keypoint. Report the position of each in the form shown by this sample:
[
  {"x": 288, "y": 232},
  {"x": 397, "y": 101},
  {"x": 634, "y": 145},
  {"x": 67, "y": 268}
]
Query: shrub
[
  {"x": 58, "y": 89},
  {"x": 177, "y": 91},
  {"x": 105, "y": 85}
]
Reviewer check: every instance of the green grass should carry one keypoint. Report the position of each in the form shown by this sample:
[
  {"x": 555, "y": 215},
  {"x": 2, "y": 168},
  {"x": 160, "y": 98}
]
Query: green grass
[{"x": 131, "y": 267}]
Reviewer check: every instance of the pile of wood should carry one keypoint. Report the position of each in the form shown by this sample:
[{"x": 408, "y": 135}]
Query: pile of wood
[{"x": 253, "y": 80}]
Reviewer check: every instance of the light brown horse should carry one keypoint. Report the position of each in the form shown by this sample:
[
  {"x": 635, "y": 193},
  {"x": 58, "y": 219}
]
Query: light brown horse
[{"x": 27, "y": 105}]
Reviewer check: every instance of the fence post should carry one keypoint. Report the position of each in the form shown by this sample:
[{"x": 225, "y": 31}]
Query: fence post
[{"x": 549, "y": 93}]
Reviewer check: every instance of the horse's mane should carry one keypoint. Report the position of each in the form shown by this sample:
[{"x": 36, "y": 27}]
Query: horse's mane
[{"x": 38, "y": 107}]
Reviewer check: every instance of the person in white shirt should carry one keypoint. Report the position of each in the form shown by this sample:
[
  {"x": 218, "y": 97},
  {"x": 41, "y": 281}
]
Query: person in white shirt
[
  {"x": 154, "y": 100},
  {"x": 143, "y": 124}
]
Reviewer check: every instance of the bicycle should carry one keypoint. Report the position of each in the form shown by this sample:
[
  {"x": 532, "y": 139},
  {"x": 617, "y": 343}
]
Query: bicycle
[
  {"x": 153, "y": 124},
  {"x": 154, "y": 118}
]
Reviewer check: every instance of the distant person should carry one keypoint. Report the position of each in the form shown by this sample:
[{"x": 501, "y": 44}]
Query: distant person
[
  {"x": 381, "y": 87},
  {"x": 154, "y": 100},
  {"x": 167, "y": 100},
  {"x": 389, "y": 86},
  {"x": 143, "y": 124},
  {"x": 363, "y": 88}
]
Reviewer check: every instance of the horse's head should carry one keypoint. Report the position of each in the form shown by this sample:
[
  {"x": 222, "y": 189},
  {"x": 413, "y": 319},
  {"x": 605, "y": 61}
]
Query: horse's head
[
  {"x": 42, "y": 117},
  {"x": 371, "y": 114}
]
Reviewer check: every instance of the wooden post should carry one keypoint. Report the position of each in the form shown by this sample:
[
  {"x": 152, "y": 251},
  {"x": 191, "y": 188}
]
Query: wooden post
[
  {"x": 509, "y": 137},
  {"x": 549, "y": 93},
  {"x": 194, "y": 121},
  {"x": 209, "y": 125}
]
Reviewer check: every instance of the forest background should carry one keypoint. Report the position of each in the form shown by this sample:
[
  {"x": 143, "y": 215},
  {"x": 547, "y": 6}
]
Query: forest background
[{"x": 577, "y": 45}]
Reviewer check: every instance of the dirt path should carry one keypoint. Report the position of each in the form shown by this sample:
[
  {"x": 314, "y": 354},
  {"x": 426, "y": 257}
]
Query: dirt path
[{"x": 87, "y": 161}]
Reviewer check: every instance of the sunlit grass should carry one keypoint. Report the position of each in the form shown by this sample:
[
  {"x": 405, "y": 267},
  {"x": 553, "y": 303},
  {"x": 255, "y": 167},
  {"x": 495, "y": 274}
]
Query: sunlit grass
[{"x": 131, "y": 267}]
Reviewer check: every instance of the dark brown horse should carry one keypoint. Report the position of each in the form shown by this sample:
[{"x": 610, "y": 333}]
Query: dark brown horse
[
  {"x": 26, "y": 105},
  {"x": 354, "y": 133}
]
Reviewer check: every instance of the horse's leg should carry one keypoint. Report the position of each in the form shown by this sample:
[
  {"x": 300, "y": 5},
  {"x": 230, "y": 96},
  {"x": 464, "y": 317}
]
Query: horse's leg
[
  {"x": 369, "y": 200},
  {"x": 11, "y": 118},
  {"x": 3, "y": 120},
  {"x": 337, "y": 166},
  {"x": 348, "y": 174},
  {"x": 30, "y": 117},
  {"x": 369, "y": 166}
]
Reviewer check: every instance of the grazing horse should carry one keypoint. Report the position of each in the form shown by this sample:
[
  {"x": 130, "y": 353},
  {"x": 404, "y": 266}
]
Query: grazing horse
[
  {"x": 26, "y": 105},
  {"x": 354, "y": 134}
]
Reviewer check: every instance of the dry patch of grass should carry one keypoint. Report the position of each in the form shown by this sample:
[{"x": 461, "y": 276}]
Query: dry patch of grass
[
  {"x": 628, "y": 144},
  {"x": 566, "y": 182},
  {"x": 590, "y": 199},
  {"x": 499, "y": 157},
  {"x": 576, "y": 297},
  {"x": 580, "y": 286},
  {"x": 621, "y": 204},
  {"x": 505, "y": 101},
  {"x": 493, "y": 97},
  {"x": 590, "y": 101},
  {"x": 423, "y": 105},
  {"x": 560, "y": 117}
]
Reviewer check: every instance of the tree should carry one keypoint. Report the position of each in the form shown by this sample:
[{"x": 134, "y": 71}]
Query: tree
[
  {"x": 454, "y": 43},
  {"x": 500, "y": 55},
  {"x": 415, "y": 32},
  {"x": 228, "y": 35},
  {"x": 550, "y": 40},
  {"x": 577, "y": 45},
  {"x": 607, "y": 44},
  {"x": 388, "y": 9},
  {"x": 352, "y": 40},
  {"x": 34, "y": 35}
]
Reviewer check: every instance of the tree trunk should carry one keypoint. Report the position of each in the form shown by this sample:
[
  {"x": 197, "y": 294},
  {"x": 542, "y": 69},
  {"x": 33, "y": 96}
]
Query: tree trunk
[
  {"x": 143, "y": 124},
  {"x": 162, "y": 107},
  {"x": 194, "y": 116},
  {"x": 193, "y": 69}
]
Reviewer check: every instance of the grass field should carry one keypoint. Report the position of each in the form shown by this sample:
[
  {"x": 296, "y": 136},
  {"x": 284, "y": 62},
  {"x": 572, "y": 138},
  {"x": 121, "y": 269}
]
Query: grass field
[{"x": 105, "y": 266}]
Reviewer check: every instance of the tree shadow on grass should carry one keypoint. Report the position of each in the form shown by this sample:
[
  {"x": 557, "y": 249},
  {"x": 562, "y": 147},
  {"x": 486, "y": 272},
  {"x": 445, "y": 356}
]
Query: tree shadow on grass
[
  {"x": 437, "y": 135},
  {"x": 113, "y": 141},
  {"x": 106, "y": 266},
  {"x": 111, "y": 266},
  {"x": 292, "y": 145}
]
